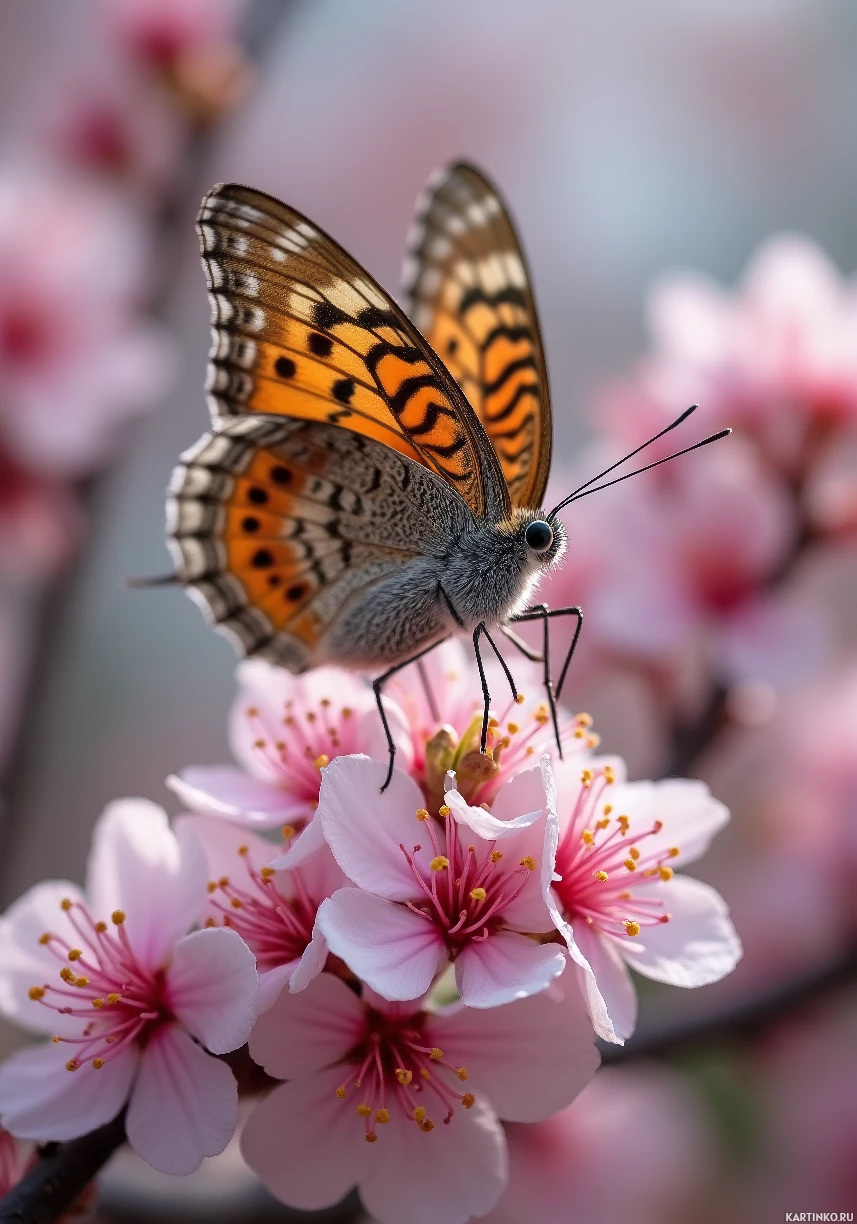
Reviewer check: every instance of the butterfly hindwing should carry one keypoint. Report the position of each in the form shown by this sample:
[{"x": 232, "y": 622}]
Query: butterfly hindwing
[
  {"x": 301, "y": 330},
  {"x": 276, "y": 524},
  {"x": 471, "y": 299}
]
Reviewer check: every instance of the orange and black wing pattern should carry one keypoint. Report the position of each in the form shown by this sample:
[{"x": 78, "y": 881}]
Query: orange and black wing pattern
[
  {"x": 471, "y": 298},
  {"x": 301, "y": 330}
]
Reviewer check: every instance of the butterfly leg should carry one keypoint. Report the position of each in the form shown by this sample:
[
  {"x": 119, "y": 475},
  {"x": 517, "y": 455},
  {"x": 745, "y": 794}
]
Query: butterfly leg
[
  {"x": 377, "y": 686},
  {"x": 481, "y": 631},
  {"x": 543, "y": 613}
]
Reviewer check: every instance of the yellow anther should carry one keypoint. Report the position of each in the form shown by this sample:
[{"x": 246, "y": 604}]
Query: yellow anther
[
  {"x": 579, "y": 733},
  {"x": 209, "y": 923},
  {"x": 223, "y": 881},
  {"x": 311, "y": 716},
  {"x": 665, "y": 918},
  {"x": 325, "y": 703},
  {"x": 364, "y": 1110},
  {"x": 98, "y": 1063},
  {"x": 56, "y": 1040},
  {"x": 493, "y": 724},
  {"x": 529, "y": 862},
  {"x": 666, "y": 873},
  {"x": 74, "y": 954},
  {"x": 101, "y": 927},
  {"x": 346, "y": 712},
  {"x": 117, "y": 917},
  {"x": 267, "y": 873},
  {"x": 443, "y": 810},
  {"x": 478, "y": 894},
  {"x": 427, "y": 1126},
  {"x": 530, "y": 750},
  {"x": 625, "y": 896},
  {"x": 468, "y": 1100},
  {"x": 601, "y": 877},
  {"x": 404, "y": 1077},
  {"x": 657, "y": 826},
  {"x": 321, "y": 760},
  {"x": 436, "y": 1054},
  {"x": 587, "y": 837},
  {"x": 593, "y": 740},
  {"x": 634, "y": 853},
  {"x": 602, "y": 824},
  {"x": 439, "y": 863},
  {"x": 110, "y": 1038},
  {"x": 624, "y": 824},
  {"x": 419, "y": 1113},
  {"x": 630, "y": 864},
  {"x": 65, "y": 904},
  {"x": 424, "y": 1074},
  {"x": 288, "y": 832},
  {"x": 609, "y": 775},
  {"x": 236, "y": 903},
  {"x": 212, "y": 886},
  {"x": 252, "y": 712},
  {"x": 66, "y": 974},
  {"x": 584, "y": 720},
  {"x": 461, "y": 1072},
  {"x": 607, "y": 809},
  {"x": 259, "y": 743},
  {"x": 81, "y": 982},
  {"x": 45, "y": 939},
  {"x": 674, "y": 852},
  {"x": 494, "y": 856},
  {"x": 512, "y": 728},
  {"x": 72, "y": 1064},
  {"x": 98, "y": 1004},
  {"x": 340, "y": 1092},
  {"x": 243, "y": 851},
  {"x": 520, "y": 699},
  {"x": 114, "y": 997},
  {"x": 586, "y": 777},
  {"x": 371, "y": 1137},
  {"x": 382, "y": 1116},
  {"x": 421, "y": 814},
  {"x": 35, "y": 993},
  {"x": 632, "y": 928}
]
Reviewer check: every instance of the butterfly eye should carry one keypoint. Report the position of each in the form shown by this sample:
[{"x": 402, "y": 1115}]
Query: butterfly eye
[{"x": 539, "y": 536}]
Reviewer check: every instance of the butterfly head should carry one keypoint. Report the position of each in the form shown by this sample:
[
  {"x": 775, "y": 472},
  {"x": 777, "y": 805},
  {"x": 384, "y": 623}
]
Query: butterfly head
[{"x": 542, "y": 540}]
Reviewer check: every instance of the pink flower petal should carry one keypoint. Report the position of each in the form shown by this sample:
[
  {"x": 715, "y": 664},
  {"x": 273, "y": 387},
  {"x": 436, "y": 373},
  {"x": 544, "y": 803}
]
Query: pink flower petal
[
  {"x": 311, "y": 963},
  {"x": 393, "y": 949},
  {"x": 612, "y": 977},
  {"x": 445, "y": 1177},
  {"x": 272, "y": 981},
  {"x": 302, "y": 1033},
  {"x": 227, "y": 791},
  {"x": 211, "y": 986},
  {"x": 306, "y": 1144},
  {"x": 595, "y": 1001},
  {"x": 365, "y": 828},
  {"x": 505, "y": 967},
  {"x": 40, "y": 1099},
  {"x": 520, "y": 803},
  {"x": 24, "y": 962},
  {"x": 691, "y": 815},
  {"x": 697, "y": 946},
  {"x": 301, "y": 848},
  {"x": 528, "y": 1059},
  {"x": 184, "y": 1105},
  {"x": 138, "y": 865}
]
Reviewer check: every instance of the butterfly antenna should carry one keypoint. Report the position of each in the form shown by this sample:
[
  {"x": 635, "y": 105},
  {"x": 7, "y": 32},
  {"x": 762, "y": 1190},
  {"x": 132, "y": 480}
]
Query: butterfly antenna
[
  {"x": 593, "y": 479},
  {"x": 142, "y": 584},
  {"x": 585, "y": 490}
]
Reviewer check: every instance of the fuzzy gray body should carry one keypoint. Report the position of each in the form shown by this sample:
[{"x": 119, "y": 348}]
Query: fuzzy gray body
[{"x": 396, "y": 558}]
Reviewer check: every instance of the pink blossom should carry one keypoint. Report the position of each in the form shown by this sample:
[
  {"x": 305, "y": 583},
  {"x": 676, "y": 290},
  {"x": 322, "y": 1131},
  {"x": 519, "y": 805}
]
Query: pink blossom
[
  {"x": 273, "y": 911},
  {"x": 132, "y": 1000},
  {"x": 615, "y": 897},
  {"x": 75, "y": 360},
  {"x": 463, "y": 885},
  {"x": 283, "y": 730},
  {"x": 160, "y": 31},
  {"x": 404, "y": 1103},
  {"x": 630, "y": 1148},
  {"x": 443, "y": 710}
]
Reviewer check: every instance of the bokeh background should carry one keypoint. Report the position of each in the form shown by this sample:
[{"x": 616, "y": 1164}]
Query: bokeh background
[{"x": 685, "y": 179}]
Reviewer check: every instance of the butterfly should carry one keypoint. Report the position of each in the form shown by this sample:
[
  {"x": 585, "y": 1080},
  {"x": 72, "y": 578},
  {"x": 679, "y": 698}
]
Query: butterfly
[{"x": 373, "y": 480}]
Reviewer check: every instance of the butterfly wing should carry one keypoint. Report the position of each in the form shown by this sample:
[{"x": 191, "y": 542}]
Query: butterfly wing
[
  {"x": 471, "y": 299},
  {"x": 277, "y": 524},
  {"x": 301, "y": 330}
]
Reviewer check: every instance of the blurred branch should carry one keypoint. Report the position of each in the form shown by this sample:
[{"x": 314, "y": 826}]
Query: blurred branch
[
  {"x": 60, "y": 1176},
  {"x": 746, "y": 1021},
  {"x": 690, "y": 740}
]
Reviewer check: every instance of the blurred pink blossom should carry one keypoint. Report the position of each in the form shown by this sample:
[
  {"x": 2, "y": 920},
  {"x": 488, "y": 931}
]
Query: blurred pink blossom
[
  {"x": 610, "y": 884},
  {"x": 424, "y": 1144},
  {"x": 631, "y": 1148},
  {"x": 464, "y": 885},
  {"x": 138, "y": 999},
  {"x": 15, "y": 1157},
  {"x": 76, "y": 360},
  {"x": 160, "y": 31},
  {"x": 40, "y": 523}
]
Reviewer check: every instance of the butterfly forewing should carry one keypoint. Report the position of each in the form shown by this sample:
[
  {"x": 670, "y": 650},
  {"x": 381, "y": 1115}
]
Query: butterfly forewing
[
  {"x": 301, "y": 330},
  {"x": 471, "y": 299},
  {"x": 276, "y": 524}
]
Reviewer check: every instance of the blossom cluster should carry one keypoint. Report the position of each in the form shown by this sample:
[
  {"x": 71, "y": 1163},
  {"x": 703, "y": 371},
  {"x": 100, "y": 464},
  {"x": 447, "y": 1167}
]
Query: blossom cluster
[{"x": 420, "y": 965}]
